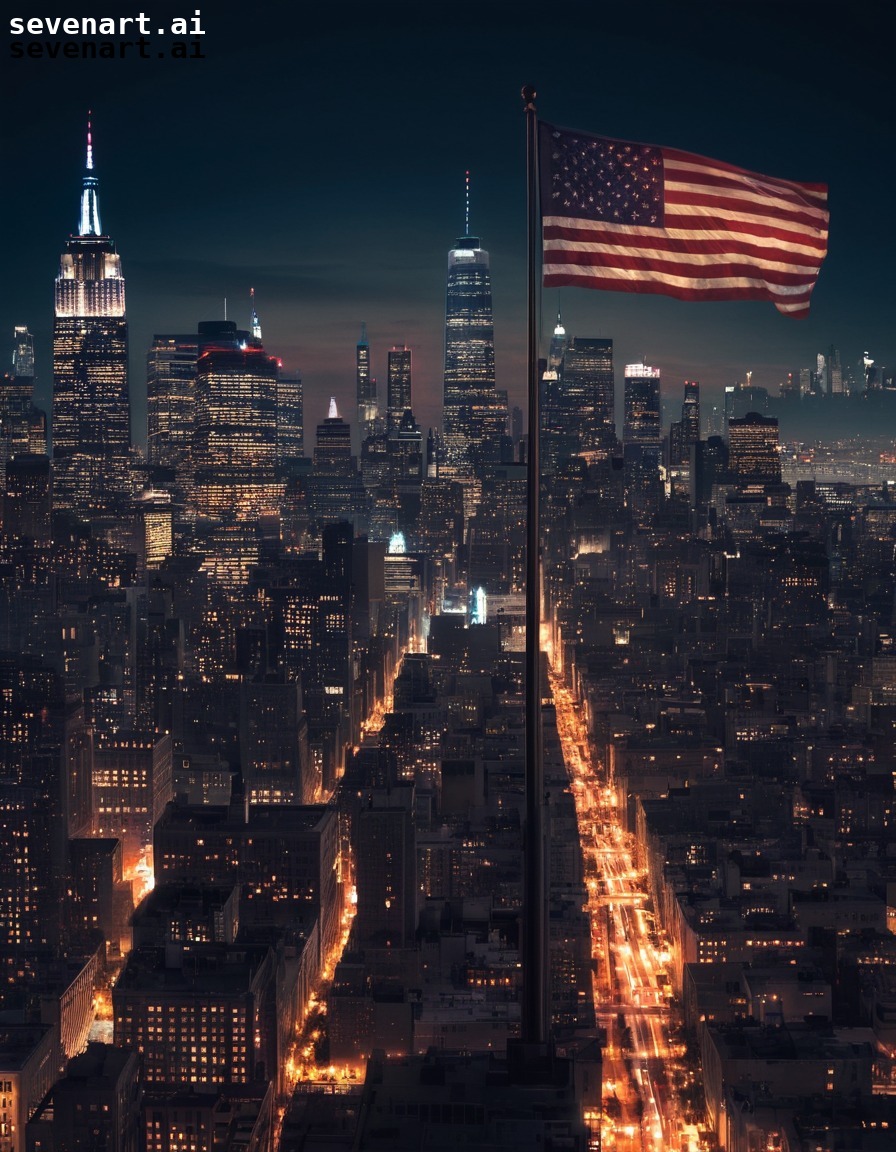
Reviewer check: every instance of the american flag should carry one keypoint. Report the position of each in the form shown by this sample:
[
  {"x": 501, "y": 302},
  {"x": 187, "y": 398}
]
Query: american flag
[{"x": 637, "y": 218}]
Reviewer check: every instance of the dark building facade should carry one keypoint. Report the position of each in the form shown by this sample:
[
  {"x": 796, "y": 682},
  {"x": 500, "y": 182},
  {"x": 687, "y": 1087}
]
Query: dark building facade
[{"x": 398, "y": 384}]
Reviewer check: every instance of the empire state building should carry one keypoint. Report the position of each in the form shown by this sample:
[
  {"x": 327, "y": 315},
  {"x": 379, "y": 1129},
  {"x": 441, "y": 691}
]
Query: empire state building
[{"x": 91, "y": 408}]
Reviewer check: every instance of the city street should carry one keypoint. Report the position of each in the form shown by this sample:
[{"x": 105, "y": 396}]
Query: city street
[{"x": 632, "y": 992}]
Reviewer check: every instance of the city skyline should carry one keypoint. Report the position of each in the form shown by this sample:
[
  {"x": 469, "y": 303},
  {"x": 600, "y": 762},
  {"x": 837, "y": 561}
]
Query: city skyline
[
  {"x": 441, "y": 790},
  {"x": 325, "y": 254}
]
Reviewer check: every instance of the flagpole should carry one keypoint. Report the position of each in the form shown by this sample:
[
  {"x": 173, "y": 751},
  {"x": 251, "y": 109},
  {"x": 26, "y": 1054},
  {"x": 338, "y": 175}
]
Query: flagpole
[{"x": 534, "y": 1020}]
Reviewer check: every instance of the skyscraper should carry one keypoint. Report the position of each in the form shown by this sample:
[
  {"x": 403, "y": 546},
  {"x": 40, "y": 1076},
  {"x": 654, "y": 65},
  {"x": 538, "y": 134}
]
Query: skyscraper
[
  {"x": 587, "y": 391},
  {"x": 642, "y": 405},
  {"x": 365, "y": 386},
  {"x": 235, "y": 427},
  {"x": 690, "y": 412},
  {"x": 22, "y": 426},
  {"x": 333, "y": 447},
  {"x": 170, "y": 399},
  {"x": 335, "y": 488},
  {"x": 469, "y": 395},
  {"x": 753, "y": 446},
  {"x": 91, "y": 407},
  {"x": 398, "y": 385},
  {"x": 290, "y": 418},
  {"x": 835, "y": 372},
  {"x": 685, "y": 433}
]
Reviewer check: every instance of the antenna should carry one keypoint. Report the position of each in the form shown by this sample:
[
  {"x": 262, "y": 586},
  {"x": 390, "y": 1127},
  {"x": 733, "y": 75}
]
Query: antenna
[
  {"x": 225, "y": 308},
  {"x": 467, "y": 209},
  {"x": 89, "y": 142},
  {"x": 255, "y": 324}
]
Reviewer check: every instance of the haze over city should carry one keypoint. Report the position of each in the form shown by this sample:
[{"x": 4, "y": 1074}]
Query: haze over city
[{"x": 321, "y": 161}]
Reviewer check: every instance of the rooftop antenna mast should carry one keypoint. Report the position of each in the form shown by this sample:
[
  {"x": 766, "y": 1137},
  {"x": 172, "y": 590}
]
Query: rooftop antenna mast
[{"x": 255, "y": 322}]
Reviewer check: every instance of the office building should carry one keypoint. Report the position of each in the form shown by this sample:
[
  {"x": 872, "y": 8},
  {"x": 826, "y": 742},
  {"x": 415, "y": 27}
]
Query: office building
[
  {"x": 586, "y": 393},
  {"x": 201, "y": 1014},
  {"x": 284, "y": 855},
  {"x": 398, "y": 385},
  {"x": 642, "y": 405},
  {"x": 753, "y": 455},
  {"x": 685, "y": 433},
  {"x": 274, "y": 742},
  {"x": 26, "y": 506},
  {"x": 170, "y": 413},
  {"x": 22, "y": 426},
  {"x": 235, "y": 426},
  {"x": 290, "y": 419},
  {"x": 365, "y": 387},
  {"x": 335, "y": 488},
  {"x": 93, "y": 1106},
  {"x": 386, "y": 860},
  {"x": 132, "y": 783}
]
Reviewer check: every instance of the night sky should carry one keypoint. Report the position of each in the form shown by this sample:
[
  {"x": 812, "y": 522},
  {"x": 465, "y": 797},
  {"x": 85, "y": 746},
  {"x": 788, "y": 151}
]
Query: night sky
[{"x": 318, "y": 154}]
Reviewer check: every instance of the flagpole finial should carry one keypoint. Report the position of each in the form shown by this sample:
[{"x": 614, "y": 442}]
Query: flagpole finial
[{"x": 528, "y": 94}]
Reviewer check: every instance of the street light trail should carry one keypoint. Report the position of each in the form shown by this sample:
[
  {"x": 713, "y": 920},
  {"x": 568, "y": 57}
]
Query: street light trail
[{"x": 640, "y": 1112}]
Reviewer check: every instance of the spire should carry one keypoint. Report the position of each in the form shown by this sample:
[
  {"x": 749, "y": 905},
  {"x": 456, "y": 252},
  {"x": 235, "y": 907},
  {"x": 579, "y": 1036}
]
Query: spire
[
  {"x": 467, "y": 207},
  {"x": 333, "y": 413},
  {"x": 90, "y": 205},
  {"x": 559, "y": 330},
  {"x": 256, "y": 325},
  {"x": 363, "y": 339}
]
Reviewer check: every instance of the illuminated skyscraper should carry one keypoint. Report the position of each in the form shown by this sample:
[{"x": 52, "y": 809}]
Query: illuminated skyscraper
[
  {"x": 170, "y": 398},
  {"x": 91, "y": 408},
  {"x": 586, "y": 393},
  {"x": 642, "y": 405},
  {"x": 290, "y": 418},
  {"x": 170, "y": 380},
  {"x": 235, "y": 427},
  {"x": 335, "y": 488},
  {"x": 398, "y": 385},
  {"x": 835, "y": 372},
  {"x": 685, "y": 433},
  {"x": 365, "y": 386},
  {"x": 471, "y": 414},
  {"x": 22, "y": 426},
  {"x": 333, "y": 449},
  {"x": 690, "y": 412},
  {"x": 753, "y": 447}
]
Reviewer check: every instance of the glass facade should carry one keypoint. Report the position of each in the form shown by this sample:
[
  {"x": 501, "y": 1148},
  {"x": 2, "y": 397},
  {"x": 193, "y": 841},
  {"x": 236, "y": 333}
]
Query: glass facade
[
  {"x": 471, "y": 409},
  {"x": 642, "y": 405},
  {"x": 399, "y": 384}
]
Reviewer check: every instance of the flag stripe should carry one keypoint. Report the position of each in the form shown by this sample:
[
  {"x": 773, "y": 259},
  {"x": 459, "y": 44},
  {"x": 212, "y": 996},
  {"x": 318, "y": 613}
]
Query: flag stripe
[
  {"x": 790, "y": 305},
  {"x": 703, "y": 164},
  {"x": 733, "y": 209},
  {"x": 587, "y": 231},
  {"x": 597, "y": 255},
  {"x": 747, "y": 198},
  {"x": 681, "y": 175},
  {"x": 632, "y": 217},
  {"x": 730, "y": 278}
]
